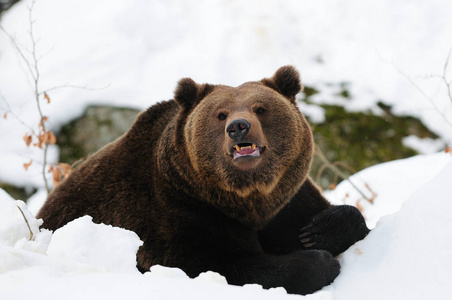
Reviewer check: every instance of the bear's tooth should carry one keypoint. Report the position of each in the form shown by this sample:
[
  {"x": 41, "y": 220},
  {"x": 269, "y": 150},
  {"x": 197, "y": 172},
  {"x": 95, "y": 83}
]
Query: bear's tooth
[
  {"x": 237, "y": 147},
  {"x": 253, "y": 146}
]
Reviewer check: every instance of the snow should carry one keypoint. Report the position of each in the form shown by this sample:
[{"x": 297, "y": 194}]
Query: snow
[
  {"x": 83, "y": 260},
  {"x": 423, "y": 146},
  {"x": 390, "y": 184},
  {"x": 103, "y": 246},
  {"x": 132, "y": 54},
  {"x": 13, "y": 233},
  {"x": 406, "y": 255}
]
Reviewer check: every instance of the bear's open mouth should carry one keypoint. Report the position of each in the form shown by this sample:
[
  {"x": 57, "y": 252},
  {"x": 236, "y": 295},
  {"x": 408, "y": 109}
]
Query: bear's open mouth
[{"x": 246, "y": 150}]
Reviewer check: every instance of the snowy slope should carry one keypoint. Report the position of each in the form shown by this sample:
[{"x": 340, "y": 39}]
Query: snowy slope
[
  {"x": 406, "y": 256},
  {"x": 389, "y": 184},
  {"x": 133, "y": 53}
]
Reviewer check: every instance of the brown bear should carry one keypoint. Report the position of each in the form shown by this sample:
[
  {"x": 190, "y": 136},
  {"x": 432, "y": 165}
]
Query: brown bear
[{"x": 217, "y": 179}]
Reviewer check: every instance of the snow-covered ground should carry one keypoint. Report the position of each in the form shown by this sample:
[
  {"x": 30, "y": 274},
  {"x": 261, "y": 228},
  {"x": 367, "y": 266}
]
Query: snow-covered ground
[
  {"x": 131, "y": 53},
  {"x": 388, "y": 185},
  {"x": 406, "y": 256}
]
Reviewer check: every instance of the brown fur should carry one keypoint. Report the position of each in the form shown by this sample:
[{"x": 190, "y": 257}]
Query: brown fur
[{"x": 173, "y": 181}]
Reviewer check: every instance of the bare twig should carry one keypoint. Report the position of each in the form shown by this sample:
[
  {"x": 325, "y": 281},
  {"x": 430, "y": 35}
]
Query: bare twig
[
  {"x": 26, "y": 221},
  {"x": 9, "y": 111},
  {"x": 33, "y": 69},
  {"x": 423, "y": 93},
  {"x": 36, "y": 76},
  {"x": 73, "y": 87},
  {"x": 345, "y": 166},
  {"x": 320, "y": 171},
  {"x": 18, "y": 48},
  {"x": 443, "y": 77},
  {"x": 337, "y": 171}
]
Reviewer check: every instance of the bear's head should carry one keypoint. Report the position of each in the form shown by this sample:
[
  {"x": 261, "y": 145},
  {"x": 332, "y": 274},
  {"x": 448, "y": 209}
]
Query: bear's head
[{"x": 247, "y": 149}]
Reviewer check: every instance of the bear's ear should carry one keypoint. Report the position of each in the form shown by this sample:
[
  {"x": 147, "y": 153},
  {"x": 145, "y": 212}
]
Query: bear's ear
[
  {"x": 286, "y": 81},
  {"x": 188, "y": 93}
]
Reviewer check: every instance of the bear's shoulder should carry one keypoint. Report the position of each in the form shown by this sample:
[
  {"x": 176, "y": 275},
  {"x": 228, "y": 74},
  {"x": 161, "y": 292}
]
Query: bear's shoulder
[
  {"x": 159, "y": 112},
  {"x": 153, "y": 120}
]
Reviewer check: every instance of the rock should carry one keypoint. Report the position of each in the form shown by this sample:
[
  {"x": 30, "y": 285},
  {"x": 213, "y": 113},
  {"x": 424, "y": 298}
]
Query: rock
[
  {"x": 98, "y": 126},
  {"x": 350, "y": 140},
  {"x": 17, "y": 192},
  {"x": 356, "y": 140}
]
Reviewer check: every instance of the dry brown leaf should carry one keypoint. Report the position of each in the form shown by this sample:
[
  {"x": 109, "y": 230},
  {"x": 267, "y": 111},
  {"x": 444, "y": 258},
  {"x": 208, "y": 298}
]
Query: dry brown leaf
[
  {"x": 61, "y": 172},
  {"x": 47, "y": 97},
  {"x": 358, "y": 206},
  {"x": 66, "y": 169},
  {"x": 358, "y": 251},
  {"x": 50, "y": 137},
  {"x": 374, "y": 195},
  {"x": 56, "y": 177},
  {"x": 41, "y": 123},
  {"x": 41, "y": 140},
  {"x": 26, "y": 165},
  {"x": 5, "y": 115},
  {"x": 448, "y": 150},
  {"x": 28, "y": 139},
  {"x": 345, "y": 198}
]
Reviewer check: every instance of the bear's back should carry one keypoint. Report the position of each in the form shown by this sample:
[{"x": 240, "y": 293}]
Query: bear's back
[{"x": 114, "y": 184}]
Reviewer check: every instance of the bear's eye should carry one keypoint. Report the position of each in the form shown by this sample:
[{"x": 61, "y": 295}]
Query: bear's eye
[
  {"x": 222, "y": 116},
  {"x": 260, "y": 110}
]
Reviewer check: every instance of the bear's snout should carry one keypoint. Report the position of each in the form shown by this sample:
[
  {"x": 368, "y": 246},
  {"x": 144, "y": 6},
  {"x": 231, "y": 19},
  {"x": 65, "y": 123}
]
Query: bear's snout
[{"x": 238, "y": 129}]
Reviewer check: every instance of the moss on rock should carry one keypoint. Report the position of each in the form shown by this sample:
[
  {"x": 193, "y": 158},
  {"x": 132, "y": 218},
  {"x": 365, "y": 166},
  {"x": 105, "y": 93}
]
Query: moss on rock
[
  {"x": 18, "y": 193},
  {"x": 356, "y": 140}
]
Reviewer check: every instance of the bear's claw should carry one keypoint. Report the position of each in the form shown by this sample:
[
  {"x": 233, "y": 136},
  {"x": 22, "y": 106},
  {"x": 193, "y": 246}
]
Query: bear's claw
[{"x": 327, "y": 228}]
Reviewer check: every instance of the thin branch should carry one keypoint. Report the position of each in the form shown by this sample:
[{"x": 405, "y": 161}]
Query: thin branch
[
  {"x": 33, "y": 69},
  {"x": 10, "y": 112},
  {"x": 320, "y": 172},
  {"x": 420, "y": 90},
  {"x": 26, "y": 221},
  {"x": 73, "y": 87},
  {"x": 336, "y": 170},
  {"x": 444, "y": 77},
  {"x": 345, "y": 166},
  {"x": 19, "y": 51},
  {"x": 37, "y": 93}
]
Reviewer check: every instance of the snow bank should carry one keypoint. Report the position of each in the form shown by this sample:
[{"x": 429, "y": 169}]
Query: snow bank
[
  {"x": 83, "y": 260},
  {"x": 388, "y": 184},
  {"x": 406, "y": 256},
  {"x": 110, "y": 248},
  {"x": 15, "y": 231}
]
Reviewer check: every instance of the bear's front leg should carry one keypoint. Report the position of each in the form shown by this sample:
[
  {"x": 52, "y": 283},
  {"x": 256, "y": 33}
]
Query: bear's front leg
[
  {"x": 323, "y": 226},
  {"x": 334, "y": 229},
  {"x": 300, "y": 272}
]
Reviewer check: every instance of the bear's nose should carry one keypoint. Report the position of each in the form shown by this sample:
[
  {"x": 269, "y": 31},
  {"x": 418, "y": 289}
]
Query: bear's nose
[{"x": 238, "y": 129}]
